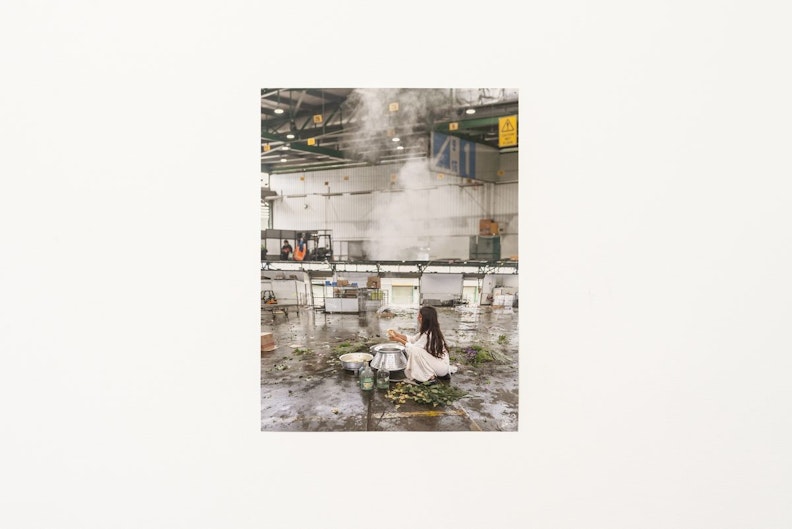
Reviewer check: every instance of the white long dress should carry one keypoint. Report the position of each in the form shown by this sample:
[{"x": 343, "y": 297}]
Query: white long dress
[{"x": 421, "y": 365}]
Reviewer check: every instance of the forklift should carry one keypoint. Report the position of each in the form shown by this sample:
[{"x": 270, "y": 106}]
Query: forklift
[
  {"x": 322, "y": 246},
  {"x": 268, "y": 297}
]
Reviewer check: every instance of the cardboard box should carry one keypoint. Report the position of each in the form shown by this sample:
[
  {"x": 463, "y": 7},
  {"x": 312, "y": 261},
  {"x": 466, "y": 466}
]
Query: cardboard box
[
  {"x": 267, "y": 342},
  {"x": 373, "y": 282},
  {"x": 488, "y": 227},
  {"x": 343, "y": 283}
]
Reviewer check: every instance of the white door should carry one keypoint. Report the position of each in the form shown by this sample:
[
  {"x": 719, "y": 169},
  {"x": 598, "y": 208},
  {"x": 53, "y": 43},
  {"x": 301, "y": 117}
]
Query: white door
[{"x": 402, "y": 295}]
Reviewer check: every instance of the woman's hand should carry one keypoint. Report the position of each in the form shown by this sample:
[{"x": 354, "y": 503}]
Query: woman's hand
[{"x": 396, "y": 337}]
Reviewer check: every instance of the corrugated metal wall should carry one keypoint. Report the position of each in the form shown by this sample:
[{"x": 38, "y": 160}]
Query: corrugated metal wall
[{"x": 398, "y": 211}]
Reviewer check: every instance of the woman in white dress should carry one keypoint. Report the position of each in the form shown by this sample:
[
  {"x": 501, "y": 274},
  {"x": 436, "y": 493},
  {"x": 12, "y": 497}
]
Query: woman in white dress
[{"x": 427, "y": 351}]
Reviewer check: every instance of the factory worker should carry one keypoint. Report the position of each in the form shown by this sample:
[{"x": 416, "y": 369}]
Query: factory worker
[
  {"x": 427, "y": 351},
  {"x": 286, "y": 250},
  {"x": 302, "y": 249}
]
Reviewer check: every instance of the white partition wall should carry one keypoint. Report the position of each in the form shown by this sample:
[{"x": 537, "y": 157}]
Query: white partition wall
[
  {"x": 441, "y": 288},
  {"x": 400, "y": 211}
]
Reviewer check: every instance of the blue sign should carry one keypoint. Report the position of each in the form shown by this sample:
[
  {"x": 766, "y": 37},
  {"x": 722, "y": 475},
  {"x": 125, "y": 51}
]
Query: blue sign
[{"x": 453, "y": 155}]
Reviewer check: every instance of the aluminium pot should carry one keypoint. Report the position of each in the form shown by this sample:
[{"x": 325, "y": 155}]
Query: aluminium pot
[{"x": 389, "y": 356}]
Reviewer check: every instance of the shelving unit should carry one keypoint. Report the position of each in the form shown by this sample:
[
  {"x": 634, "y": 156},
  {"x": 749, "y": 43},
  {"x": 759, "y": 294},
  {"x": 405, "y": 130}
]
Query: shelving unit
[
  {"x": 373, "y": 298},
  {"x": 353, "y": 299},
  {"x": 343, "y": 299}
]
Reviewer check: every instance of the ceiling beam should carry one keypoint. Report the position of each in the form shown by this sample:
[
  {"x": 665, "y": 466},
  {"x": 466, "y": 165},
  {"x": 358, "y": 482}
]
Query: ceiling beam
[
  {"x": 465, "y": 124},
  {"x": 304, "y": 133},
  {"x": 300, "y": 145},
  {"x": 279, "y": 169},
  {"x": 275, "y": 121},
  {"x": 325, "y": 95}
]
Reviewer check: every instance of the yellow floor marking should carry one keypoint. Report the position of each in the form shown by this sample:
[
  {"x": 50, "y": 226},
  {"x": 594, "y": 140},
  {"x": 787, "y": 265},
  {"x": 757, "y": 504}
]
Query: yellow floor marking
[
  {"x": 474, "y": 423},
  {"x": 427, "y": 413}
]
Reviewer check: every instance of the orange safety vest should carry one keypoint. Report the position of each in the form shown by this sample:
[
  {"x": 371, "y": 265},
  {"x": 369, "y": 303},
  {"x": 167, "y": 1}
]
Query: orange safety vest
[{"x": 299, "y": 253}]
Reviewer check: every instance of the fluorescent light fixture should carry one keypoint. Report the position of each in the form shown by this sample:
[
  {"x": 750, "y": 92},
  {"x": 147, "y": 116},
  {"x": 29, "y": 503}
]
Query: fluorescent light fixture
[
  {"x": 470, "y": 111},
  {"x": 283, "y": 159},
  {"x": 290, "y": 136},
  {"x": 278, "y": 111},
  {"x": 395, "y": 138},
  {"x": 399, "y": 147},
  {"x": 285, "y": 148}
]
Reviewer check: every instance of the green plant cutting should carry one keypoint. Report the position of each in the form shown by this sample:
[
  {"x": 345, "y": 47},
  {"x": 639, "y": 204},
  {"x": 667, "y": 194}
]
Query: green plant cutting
[{"x": 434, "y": 395}]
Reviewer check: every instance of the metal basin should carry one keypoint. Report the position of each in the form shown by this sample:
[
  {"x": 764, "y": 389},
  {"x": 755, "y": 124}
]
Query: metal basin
[
  {"x": 354, "y": 361},
  {"x": 389, "y": 356}
]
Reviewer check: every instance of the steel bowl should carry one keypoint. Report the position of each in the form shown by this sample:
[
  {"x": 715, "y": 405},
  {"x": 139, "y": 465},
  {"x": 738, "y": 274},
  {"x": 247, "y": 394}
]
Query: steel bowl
[{"x": 354, "y": 361}]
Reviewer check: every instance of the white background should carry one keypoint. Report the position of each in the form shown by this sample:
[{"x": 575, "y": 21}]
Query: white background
[{"x": 655, "y": 266}]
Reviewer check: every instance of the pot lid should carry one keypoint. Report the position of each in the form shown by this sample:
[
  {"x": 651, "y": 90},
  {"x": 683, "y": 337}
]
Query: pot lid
[{"x": 387, "y": 348}]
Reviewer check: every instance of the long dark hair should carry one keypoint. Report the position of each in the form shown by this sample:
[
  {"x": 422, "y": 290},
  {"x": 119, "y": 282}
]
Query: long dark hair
[{"x": 435, "y": 342}]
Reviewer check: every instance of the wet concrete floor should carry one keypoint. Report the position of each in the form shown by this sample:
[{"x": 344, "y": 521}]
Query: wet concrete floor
[{"x": 305, "y": 388}]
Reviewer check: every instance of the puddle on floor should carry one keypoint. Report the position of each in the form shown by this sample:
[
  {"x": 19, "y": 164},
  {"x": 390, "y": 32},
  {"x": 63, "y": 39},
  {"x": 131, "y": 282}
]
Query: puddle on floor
[{"x": 312, "y": 379}]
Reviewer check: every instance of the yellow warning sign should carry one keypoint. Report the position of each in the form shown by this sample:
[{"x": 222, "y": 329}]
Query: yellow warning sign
[
  {"x": 266, "y": 147},
  {"x": 454, "y": 125},
  {"x": 311, "y": 141},
  {"x": 394, "y": 107},
  {"x": 507, "y": 131},
  {"x": 317, "y": 118}
]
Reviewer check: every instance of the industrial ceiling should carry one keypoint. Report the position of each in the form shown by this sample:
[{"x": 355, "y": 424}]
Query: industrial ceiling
[{"x": 313, "y": 129}]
